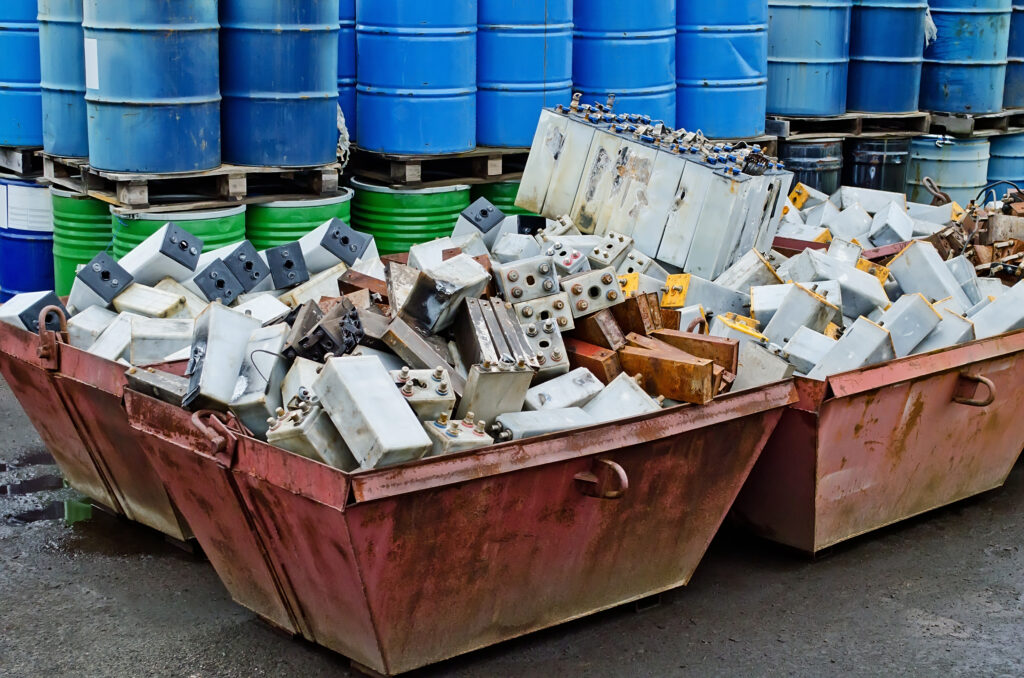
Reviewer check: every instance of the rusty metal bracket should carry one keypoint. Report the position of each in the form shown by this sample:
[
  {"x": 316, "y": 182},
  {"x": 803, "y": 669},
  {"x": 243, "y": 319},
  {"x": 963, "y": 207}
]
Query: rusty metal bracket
[
  {"x": 604, "y": 480},
  {"x": 47, "y": 350},
  {"x": 222, "y": 430},
  {"x": 967, "y": 390}
]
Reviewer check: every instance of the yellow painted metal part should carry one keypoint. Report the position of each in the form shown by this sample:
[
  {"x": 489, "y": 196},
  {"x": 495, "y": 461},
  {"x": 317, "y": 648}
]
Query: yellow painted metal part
[{"x": 676, "y": 287}]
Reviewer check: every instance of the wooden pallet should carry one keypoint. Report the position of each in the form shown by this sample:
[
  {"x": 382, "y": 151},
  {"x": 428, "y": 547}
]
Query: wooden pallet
[
  {"x": 227, "y": 184},
  {"x": 479, "y": 166},
  {"x": 850, "y": 125},
  {"x": 1009, "y": 120},
  {"x": 23, "y": 160}
]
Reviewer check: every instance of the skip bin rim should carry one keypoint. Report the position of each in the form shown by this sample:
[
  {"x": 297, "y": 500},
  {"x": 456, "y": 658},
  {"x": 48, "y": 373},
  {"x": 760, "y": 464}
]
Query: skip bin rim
[
  {"x": 845, "y": 384},
  {"x": 429, "y": 473}
]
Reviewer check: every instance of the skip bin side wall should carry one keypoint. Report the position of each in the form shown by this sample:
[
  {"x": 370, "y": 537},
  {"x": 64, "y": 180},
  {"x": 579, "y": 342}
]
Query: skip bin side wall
[
  {"x": 205, "y": 493},
  {"x": 94, "y": 388},
  {"x": 33, "y": 386},
  {"x": 494, "y": 545},
  {"x": 889, "y": 444}
]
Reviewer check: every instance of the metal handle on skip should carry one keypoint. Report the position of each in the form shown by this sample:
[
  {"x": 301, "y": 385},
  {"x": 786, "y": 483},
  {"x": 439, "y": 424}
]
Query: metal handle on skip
[
  {"x": 965, "y": 392},
  {"x": 222, "y": 431},
  {"x": 47, "y": 349},
  {"x": 605, "y": 480}
]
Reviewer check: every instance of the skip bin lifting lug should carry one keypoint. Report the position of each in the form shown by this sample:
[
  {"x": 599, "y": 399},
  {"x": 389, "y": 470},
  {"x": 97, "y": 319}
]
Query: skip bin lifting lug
[
  {"x": 604, "y": 480},
  {"x": 967, "y": 390},
  {"x": 47, "y": 350},
  {"x": 222, "y": 432}
]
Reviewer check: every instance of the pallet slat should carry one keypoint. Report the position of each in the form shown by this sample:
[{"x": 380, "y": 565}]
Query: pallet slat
[
  {"x": 481, "y": 165},
  {"x": 850, "y": 125},
  {"x": 22, "y": 160},
  {"x": 227, "y": 183}
]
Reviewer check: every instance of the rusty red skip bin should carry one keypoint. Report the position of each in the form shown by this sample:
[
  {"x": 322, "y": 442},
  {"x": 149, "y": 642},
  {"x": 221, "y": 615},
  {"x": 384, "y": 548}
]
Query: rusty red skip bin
[
  {"x": 74, "y": 400},
  {"x": 402, "y": 567},
  {"x": 881, "y": 444}
]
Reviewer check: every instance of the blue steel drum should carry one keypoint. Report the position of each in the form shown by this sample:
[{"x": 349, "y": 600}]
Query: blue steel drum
[
  {"x": 629, "y": 51},
  {"x": 524, "y": 64},
  {"x": 1013, "y": 97},
  {"x": 62, "y": 66},
  {"x": 965, "y": 68},
  {"x": 21, "y": 113},
  {"x": 416, "y": 76},
  {"x": 958, "y": 166},
  {"x": 722, "y": 67},
  {"x": 26, "y": 238},
  {"x": 279, "y": 82},
  {"x": 808, "y": 56},
  {"x": 886, "y": 54},
  {"x": 152, "y": 85},
  {"x": 1006, "y": 161},
  {"x": 347, "y": 64}
]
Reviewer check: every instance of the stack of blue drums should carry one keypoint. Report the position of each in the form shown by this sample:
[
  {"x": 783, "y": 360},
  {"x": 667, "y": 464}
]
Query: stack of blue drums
[
  {"x": 629, "y": 52},
  {"x": 416, "y": 76},
  {"x": 524, "y": 64},
  {"x": 965, "y": 67},
  {"x": 1013, "y": 97},
  {"x": 722, "y": 67},
  {"x": 808, "y": 56},
  {"x": 20, "y": 108},
  {"x": 152, "y": 85},
  {"x": 347, "y": 63},
  {"x": 62, "y": 66},
  {"x": 886, "y": 54},
  {"x": 279, "y": 80}
]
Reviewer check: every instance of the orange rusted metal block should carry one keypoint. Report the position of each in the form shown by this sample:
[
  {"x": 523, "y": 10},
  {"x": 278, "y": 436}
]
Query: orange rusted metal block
[
  {"x": 353, "y": 281},
  {"x": 723, "y": 352},
  {"x": 602, "y": 362},
  {"x": 636, "y": 314},
  {"x": 671, "y": 374},
  {"x": 601, "y": 329}
]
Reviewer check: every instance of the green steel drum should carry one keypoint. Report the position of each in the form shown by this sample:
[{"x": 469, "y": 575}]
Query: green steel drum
[
  {"x": 401, "y": 218},
  {"x": 276, "y": 223},
  {"x": 81, "y": 229},
  {"x": 502, "y": 195},
  {"x": 217, "y": 228}
]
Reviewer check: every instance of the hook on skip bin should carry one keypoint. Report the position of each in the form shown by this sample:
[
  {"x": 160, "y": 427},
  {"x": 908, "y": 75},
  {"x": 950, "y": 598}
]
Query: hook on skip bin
[
  {"x": 967, "y": 390},
  {"x": 604, "y": 480},
  {"x": 47, "y": 349},
  {"x": 222, "y": 431}
]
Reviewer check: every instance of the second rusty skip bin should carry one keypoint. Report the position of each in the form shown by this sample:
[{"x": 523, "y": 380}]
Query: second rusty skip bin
[
  {"x": 402, "y": 567},
  {"x": 875, "y": 446},
  {"x": 74, "y": 400}
]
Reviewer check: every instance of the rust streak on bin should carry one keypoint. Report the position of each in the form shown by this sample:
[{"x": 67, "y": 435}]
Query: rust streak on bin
[
  {"x": 403, "y": 567},
  {"x": 32, "y": 380},
  {"x": 94, "y": 388},
  {"x": 888, "y": 442}
]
